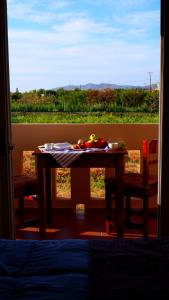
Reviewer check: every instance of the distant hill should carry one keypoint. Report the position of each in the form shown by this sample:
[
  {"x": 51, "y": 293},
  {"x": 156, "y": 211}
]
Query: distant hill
[{"x": 101, "y": 86}]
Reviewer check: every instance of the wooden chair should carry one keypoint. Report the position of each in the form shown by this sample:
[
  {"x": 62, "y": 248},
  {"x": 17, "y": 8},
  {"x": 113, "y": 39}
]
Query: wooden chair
[
  {"x": 24, "y": 186},
  {"x": 141, "y": 186}
]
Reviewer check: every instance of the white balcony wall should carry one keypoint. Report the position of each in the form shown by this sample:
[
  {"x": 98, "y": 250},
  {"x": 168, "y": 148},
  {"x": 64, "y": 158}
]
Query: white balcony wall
[{"x": 26, "y": 137}]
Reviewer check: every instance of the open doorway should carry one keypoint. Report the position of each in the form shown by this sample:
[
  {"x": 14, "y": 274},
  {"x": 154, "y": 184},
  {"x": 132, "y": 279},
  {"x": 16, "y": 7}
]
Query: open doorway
[{"x": 163, "y": 95}]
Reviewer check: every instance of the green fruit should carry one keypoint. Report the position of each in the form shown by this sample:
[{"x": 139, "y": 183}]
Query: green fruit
[{"x": 92, "y": 137}]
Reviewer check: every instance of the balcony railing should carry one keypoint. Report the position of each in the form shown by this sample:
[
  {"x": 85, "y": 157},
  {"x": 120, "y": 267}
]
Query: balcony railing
[{"x": 27, "y": 137}]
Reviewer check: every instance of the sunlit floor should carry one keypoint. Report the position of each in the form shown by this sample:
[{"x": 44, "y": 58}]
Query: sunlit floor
[{"x": 83, "y": 225}]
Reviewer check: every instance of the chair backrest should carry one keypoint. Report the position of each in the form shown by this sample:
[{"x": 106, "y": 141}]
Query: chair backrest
[
  {"x": 150, "y": 160},
  {"x": 25, "y": 185}
]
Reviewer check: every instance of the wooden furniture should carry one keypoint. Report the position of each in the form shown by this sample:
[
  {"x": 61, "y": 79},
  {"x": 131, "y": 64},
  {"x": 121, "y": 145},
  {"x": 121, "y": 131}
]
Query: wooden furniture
[
  {"x": 141, "y": 186},
  {"x": 100, "y": 159},
  {"x": 24, "y": 186}
]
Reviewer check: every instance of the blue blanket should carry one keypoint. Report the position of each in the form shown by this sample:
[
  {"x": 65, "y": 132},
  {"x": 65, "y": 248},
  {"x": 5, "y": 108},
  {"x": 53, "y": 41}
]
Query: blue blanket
[
  {"x": 84, "y": 270},
  {"x": 44, "y": 270}
]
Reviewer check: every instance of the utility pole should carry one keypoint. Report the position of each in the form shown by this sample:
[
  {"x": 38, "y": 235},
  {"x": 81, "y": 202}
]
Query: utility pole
[{"x": 149, "y": 73}]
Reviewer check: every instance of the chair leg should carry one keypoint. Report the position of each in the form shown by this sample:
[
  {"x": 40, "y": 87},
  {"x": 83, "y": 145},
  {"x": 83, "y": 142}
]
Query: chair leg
[
  {"x": 145, "y": 216},
  {"x": 21, "y": 211}
]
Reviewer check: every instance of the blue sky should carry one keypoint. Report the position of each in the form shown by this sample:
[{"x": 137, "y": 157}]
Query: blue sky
[{"x": 53, "y": 43}]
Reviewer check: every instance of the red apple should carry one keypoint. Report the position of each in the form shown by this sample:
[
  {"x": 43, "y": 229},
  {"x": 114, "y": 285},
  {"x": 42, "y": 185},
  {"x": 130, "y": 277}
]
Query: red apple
[
  {"x": 89, "y": 144},
  {"x": 100, "y": 143}
]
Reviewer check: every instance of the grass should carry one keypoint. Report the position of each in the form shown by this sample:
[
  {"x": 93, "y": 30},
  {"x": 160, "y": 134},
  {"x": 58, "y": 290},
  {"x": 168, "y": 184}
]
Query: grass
[{"x": 84, "y": 118}]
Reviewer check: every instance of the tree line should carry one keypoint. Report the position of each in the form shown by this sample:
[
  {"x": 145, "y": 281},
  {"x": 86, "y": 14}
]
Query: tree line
[{"x": 106, "y": 100}]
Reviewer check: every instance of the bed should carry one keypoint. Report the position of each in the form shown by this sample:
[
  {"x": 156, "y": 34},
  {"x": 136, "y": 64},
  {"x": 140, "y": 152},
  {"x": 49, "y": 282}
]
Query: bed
[{"x": 84, "y": 269}]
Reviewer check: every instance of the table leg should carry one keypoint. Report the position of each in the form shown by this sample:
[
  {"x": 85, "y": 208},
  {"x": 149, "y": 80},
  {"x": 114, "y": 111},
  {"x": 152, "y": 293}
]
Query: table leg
[
  {"x": 120, "y": 197},
  {"x": 48, "y": 195},
  {"x": 42, "y": 214}
]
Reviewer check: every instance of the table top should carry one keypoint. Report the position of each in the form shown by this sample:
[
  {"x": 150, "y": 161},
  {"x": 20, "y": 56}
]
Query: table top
[
  {"x": 91, "y": 152},
  {"x": 99, "y": 158}
]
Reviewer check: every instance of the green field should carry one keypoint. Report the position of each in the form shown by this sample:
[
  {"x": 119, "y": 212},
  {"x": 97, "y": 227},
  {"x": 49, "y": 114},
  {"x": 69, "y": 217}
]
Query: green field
[{"x": 100, "y": 117}]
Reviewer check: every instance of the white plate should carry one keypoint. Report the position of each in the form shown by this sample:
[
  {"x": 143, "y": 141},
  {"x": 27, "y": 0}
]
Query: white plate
[{"x": 65, "y": 145}]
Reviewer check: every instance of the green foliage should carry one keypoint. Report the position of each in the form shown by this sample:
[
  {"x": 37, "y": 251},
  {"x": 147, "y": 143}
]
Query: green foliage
[
  {"x": 101, "y": 118},
  {"x": 105, "y": 96},
  {"x": 151, "y": 101},
  {"x": 29, "y": 107},
  {"x": 131, "y": 98},
  {"x": 16, "y": 95},
  {"x": 106, "y": 100}
]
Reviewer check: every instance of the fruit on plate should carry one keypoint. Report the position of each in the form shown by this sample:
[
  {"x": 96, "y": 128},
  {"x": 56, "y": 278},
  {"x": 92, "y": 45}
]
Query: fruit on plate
[
  {"x": 93, "y": 138},
  {"x": 75, "y": 146},
  {"x": 81, "y": 143},
  {"x": 95, "y": 142},
  {"x": 92, "y": 142}
]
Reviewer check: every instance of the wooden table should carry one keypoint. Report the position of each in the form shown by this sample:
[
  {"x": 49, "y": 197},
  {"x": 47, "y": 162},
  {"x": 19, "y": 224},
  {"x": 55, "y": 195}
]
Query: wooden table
[{"x": 97, "y": 159}]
